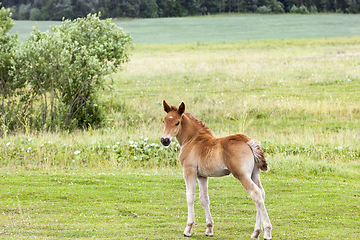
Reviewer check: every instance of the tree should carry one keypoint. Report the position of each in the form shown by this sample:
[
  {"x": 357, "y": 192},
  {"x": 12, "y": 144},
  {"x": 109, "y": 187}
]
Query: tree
[
  {"x": 8, "y": 85},
  {"x": 178, "y": 11},
  {"x": 148, "y": 9},
  {"x": 276, "y": 7},
  {"x": 35, "y": 14}
]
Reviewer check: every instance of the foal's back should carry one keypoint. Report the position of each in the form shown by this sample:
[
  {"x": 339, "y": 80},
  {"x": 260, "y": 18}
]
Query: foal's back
[{"x": 216, "y": 157}]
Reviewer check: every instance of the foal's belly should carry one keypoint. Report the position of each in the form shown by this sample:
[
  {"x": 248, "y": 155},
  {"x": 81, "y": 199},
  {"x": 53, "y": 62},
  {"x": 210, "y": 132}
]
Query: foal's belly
[{"x": 213, "y": 171}]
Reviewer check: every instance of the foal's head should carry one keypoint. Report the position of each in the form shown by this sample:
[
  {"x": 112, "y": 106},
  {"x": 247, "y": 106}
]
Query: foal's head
[{"x": 172, "y": 122}]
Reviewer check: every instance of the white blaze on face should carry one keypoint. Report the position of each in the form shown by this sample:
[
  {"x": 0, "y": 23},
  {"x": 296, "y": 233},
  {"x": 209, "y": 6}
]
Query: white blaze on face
[{"x": 170, "y": 131}]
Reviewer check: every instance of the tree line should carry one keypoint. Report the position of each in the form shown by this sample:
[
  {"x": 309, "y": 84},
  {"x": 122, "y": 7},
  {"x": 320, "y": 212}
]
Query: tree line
[{"x": 72, "y": 9}]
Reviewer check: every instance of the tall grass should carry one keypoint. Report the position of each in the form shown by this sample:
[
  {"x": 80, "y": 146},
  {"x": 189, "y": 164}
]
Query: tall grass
[{"x": 297, "y": 97}]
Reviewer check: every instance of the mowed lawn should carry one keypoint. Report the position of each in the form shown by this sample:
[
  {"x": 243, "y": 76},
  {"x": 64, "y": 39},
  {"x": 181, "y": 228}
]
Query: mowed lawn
[
  {"x": 225, "y": 27},
  {"x": 151, "y": 204}
]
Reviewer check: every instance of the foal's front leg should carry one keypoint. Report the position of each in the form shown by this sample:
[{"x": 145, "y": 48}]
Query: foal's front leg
[
  {"x": 190, "y": 181},
  {"x": 204, "y": 199}
]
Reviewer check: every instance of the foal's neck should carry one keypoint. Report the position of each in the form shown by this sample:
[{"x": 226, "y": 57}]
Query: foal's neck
[{"x": 190, "y": 129}]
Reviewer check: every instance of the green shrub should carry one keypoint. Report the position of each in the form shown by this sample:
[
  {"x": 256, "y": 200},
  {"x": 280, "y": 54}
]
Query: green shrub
[
  {"x": 63, "y": 70},
  {"x": 313, "y": 9},
  {"x": 263, "y": 10},
  {"x": 303, "y": 10},
  {"x": 35, "y": 14},
  {"x": 277, "y": 7},
  {"x": 8, "y": 85},
  {"x": 24, "y": 11},
  {"x": 294, "y": 9}
]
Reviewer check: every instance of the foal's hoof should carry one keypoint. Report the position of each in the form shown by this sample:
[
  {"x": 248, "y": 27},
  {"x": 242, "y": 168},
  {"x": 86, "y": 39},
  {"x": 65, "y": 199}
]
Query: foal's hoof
[
  {"x": 267, "y": 237},
  {"x": 185, "y": 235},
  {"x": 267, "y": 233},
  {"x": 256, "y": 234},
  {"x": 209, "y": 234}
]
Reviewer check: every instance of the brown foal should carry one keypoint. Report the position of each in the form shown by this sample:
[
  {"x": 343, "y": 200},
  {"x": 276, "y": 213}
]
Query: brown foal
[{"x": 202, "y": 155}]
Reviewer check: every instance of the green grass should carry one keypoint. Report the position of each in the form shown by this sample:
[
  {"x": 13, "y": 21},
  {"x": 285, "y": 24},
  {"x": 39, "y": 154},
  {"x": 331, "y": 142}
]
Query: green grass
[
  {"x": 222, "y": 28},
  {"x": 151, "y": 204},
  {"x": 299, "y": 98}
]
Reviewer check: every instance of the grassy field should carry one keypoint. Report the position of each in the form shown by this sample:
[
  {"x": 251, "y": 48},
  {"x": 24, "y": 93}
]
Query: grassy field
[
  {"x": 299, "y": 98},
  {"x": 225, "y": 27},
  {"x": 151, "y": 204}
]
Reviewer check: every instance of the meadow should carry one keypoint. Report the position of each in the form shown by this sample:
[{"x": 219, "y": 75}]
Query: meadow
[
  {"x": 300, "y": 98},
  {"x": 225, "y": 27}
]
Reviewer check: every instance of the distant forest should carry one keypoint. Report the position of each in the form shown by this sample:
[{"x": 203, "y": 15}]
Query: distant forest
[{"x": 71, "y": 9}]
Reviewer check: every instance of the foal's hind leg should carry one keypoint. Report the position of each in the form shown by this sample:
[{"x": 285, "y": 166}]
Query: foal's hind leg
[
  {"x": 257, "y": 195},
  {"x": 204, "y": 199},
  {"x": 256, "y": 179}
]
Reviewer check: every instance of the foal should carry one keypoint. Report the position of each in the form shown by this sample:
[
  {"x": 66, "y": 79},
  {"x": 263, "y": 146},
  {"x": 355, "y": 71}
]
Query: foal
[{"x": 202, "y": 156}]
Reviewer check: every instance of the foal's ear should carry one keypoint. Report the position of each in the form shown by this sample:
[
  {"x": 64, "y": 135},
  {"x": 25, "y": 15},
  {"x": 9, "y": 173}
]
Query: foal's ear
[
  {"x": 181, "y": 108},
  {"x": 167, "y": 108}
]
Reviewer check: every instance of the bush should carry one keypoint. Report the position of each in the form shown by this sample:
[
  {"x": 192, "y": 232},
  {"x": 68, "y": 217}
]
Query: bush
[
  {"x": 35, "y": 14},
  {"x": 303, "y": 10},
  {"x": 63, "y": 71},
  {"x": 277, "y": 7},
  {"x": 313, "y": 9},
  {"x": 24, "y": 11},
  {"x": 263, "y": 10},
  {"x": 8, "y": 48},
  {"x": 294, "y": 9}
]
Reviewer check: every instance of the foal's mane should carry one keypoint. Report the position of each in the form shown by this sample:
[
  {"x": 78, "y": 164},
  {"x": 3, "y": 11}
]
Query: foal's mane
[{"x": 202, "y": 127}]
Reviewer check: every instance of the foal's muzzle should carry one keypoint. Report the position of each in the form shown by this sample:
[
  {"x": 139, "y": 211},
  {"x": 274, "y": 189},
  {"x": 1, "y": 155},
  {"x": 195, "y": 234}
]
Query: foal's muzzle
[{"x": 165, "y": 141}]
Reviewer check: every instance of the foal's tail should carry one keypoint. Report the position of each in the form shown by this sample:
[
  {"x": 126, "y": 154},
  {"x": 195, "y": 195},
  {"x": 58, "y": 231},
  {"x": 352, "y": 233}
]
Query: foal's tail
[{"x": 258, "y": 155}]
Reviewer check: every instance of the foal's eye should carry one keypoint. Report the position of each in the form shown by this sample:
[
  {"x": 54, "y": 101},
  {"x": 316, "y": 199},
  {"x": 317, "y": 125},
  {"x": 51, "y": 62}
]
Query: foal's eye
[{"x": 177, "y": 124}]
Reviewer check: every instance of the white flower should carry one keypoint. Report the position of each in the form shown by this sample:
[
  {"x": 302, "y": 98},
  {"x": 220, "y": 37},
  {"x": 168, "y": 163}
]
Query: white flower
[
  {"x": 29, "y": 139},
  {"x": 29, "y": 148},
  {"x": 107, "y": 146},
  {"x": 76, "y": 152},
  {"x": 8, "y": 144},
  {"x": 117, "y": 143}
]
